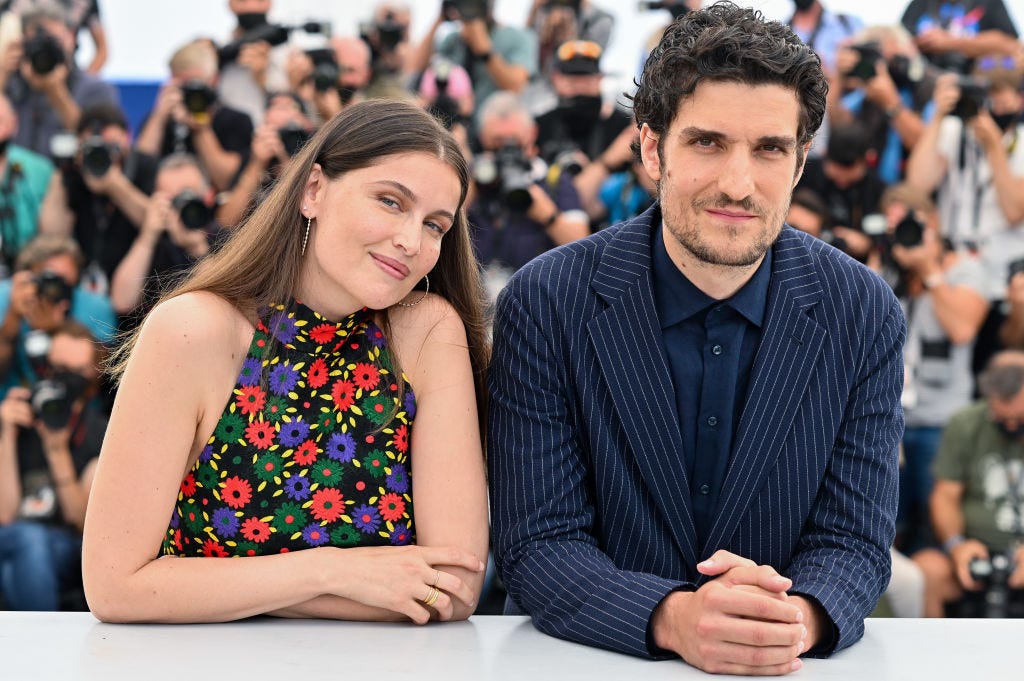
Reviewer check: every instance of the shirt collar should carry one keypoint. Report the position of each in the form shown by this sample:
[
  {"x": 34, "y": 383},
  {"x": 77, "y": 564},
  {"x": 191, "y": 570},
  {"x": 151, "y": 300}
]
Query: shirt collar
[{"x": 677, "y": 299}]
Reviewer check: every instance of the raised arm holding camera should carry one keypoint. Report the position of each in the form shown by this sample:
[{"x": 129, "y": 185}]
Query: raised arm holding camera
[
  {"x": 187, "y": 117},
  {"x": 50, "y": 436}
]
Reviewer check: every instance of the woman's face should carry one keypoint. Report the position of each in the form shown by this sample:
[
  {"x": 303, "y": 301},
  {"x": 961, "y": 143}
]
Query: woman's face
[{"x": 376, "y": 232}]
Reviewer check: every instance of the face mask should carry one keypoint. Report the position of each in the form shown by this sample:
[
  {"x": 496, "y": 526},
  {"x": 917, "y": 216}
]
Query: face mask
[
  {"x": 250, "y": 20},
  {"x": 580, "y": 114},
  {"x": 803, "y": 5},
  {"x": 1011, "y": 433},
  {"x": 346, "y": 94},
  {"x": 1004, "y": 121},
  {"x": 3, "y": 146}
]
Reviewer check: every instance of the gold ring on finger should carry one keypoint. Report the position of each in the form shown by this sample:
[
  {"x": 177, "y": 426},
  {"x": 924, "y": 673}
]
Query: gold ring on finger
[
  {"x": 431, "y": 596},
  {"x": 437, "y": 578}
]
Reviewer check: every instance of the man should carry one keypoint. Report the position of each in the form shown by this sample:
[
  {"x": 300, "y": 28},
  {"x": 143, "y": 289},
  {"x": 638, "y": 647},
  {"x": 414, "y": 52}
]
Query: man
[
  {"x": 82, "y": 15},
  {"x": 259, "y": 69},
  {"x": 188, "y": 119},
  {"x": 977, "y": 504},
  {"x": 822, "y": 29},
  {"x": 517, "y": 211},
  {"x": 45, "y": 86},
  {"x": 178, "y": 230},
  {"x": 952, "y": 33},
  {"x": 50, "y": 440},
  {"x": 695, "y": 414}
]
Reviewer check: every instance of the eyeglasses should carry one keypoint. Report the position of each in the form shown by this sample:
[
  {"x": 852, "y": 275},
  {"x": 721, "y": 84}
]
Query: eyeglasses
[
  {"x": 578, "y": 48},
  {"x": 989, "y": 63}
]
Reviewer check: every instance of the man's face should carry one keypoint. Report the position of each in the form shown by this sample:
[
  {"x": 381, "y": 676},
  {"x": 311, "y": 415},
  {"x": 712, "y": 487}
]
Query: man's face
[
  {"x": 804, "y": 219},
  {"x": 496, "y": 133},
  {"x": 249, "y": 6},
  {"x": 76, "y": 355},
  {"x": 1009, "y": 413},
  {"x": 576, "y": 85},
  {"x": 59, "y": 31},
  {"x": 174, "y": 181},
  {"x": 726, "y": 170},
  {"x": 353, "y": 64},
  {"x": 844, "y": 176},
  {"x": 1003, "y": 101},
  {"x": 62, "y": 265}
]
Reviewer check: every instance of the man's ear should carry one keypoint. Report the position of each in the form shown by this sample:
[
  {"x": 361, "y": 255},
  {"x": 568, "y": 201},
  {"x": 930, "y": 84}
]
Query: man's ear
[
  {"x": 803, "y": 163},
  {"x": 649, "y": 152}
]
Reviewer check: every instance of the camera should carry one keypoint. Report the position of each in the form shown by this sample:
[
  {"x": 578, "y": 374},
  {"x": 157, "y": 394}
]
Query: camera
[
  {"x": 464, "y": 10},
  {"x": 293, "y": 137},
  {"x": 51, "y": 287},
  {"x": 508, "y": 173},
  {"x": 909, "y": 232},
  {"x": 389, "y": 32},
  {"x": 973, "y": 93},
  {"x": 98, "y": 155},
  {"x": 197, "y": 96},
  {"x": 676, "y": 7},
  {"x": 192, "y": 210},
  {"x": 994, "y": 572},
  {"x": 566, "y": 157},
  {"x": 444, "y": 107},
  {"x": 52, "y": 399},
  {"x": 325, "y": 68},
  {"x": 273, "y": 34},
  {"x": 870, "y": 53},
  {"x": 44, "y": 52}
]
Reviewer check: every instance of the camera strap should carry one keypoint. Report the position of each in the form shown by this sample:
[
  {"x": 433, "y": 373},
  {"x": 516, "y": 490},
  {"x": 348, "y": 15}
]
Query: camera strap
[{"x": 1013, "y": 482}]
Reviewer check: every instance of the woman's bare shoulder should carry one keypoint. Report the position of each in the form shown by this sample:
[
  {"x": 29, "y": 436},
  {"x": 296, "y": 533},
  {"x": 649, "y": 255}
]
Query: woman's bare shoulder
[{"x": 195, "y": 321}]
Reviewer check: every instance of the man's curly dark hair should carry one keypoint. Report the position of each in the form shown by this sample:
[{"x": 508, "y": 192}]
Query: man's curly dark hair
[{"x": 724, "y": 42}]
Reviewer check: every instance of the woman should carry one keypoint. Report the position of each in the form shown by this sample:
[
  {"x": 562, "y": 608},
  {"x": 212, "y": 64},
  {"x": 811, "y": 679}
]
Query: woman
[{"x": 260, "y": 410}]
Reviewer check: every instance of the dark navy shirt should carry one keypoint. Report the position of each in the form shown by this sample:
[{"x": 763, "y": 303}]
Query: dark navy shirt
[{"x": 710, "y": 345}]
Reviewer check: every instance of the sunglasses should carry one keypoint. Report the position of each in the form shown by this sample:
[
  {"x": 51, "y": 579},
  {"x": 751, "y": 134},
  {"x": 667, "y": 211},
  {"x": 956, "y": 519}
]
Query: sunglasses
[
  {"x": 989, "y": 63},
  {"x": 579, "y": 48}
]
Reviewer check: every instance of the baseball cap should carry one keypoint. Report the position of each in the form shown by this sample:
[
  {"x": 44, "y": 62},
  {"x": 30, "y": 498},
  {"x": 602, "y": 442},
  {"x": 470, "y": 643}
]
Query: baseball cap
[{"x": 578, "y": 58}]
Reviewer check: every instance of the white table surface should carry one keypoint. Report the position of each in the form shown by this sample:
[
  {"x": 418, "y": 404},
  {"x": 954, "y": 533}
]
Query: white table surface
[{"x": 52, "y": 646}]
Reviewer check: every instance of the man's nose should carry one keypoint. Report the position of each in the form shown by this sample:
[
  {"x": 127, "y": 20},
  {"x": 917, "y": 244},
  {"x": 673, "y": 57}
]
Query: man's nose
[{"x": 735, "y": 178}]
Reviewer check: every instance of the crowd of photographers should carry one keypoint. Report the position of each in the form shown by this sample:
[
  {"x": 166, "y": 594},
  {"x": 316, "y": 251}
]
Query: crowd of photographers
[{"x": 918, "y": 173}]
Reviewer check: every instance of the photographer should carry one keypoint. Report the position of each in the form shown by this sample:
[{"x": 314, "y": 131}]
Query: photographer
[
  {"x": 25, "y": 179},
  {"x": 178, "y": 229},
  {"x": 849, "y": 186},
  {"x": 257, "y": 68},
  {"x": 103, "y": 193},
  {"x": 388, "y": 38},
  {"x": 943, "y": 297},
  {"x": 46, "y": 88},
  {"x": 188, "y": 119},
  {"x": 83, "y": 15},
  {"x": 516, "y": 213},
  {"x": 50, "y": 437},
  {"x": 978, "y": 500},
  {"x": 969, "y": 153},
  {"x": 496, "y": 57},
  {"x": 286, "y": 127},
  {"x": 953, "y": 32},
  {"x": 885, "y": 87},
  {"x": 43, "y": 293}
]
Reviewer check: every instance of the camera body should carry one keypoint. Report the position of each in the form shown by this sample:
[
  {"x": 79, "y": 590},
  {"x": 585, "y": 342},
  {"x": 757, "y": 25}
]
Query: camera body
[
  {"x": 51, "y": 400},
  {"x": 677, "y": 7},
  {"x": 508, "y": 173},
  {"x": 192, "y": 210},
  {"x": 389, "y": 32},
  {"x": 293, "y": 137},
  {"x": 994, "y": 572},
  {"x": 52, "y": 287},
  {"x": 909, "y": 232},
  {"x": 973, "y": 93},
  {"x": 197, "y": 96},
  {"x": 98, "y": 155},
  {"x": 464, "y": 10},
  {"x": 870, "y": 53},
  {"x": 272, "y": 34},
  {"x": 44, "y": 52}
]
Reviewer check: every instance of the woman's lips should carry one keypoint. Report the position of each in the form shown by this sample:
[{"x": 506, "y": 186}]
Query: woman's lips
[{"x": 391, "y": 266}]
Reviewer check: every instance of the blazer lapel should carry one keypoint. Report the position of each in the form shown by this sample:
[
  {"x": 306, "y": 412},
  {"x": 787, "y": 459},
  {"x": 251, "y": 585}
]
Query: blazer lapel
[
  {"x": 790, "y": 345},
  {"x": 627, "y": 341}
]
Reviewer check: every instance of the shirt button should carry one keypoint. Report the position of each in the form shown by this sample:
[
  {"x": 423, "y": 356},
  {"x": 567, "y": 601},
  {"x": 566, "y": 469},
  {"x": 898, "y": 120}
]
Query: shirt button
[
  {"x": 716, "y": 349},
  {"x": 712, "y": 421},
  {"x": 705, "y": 490}
]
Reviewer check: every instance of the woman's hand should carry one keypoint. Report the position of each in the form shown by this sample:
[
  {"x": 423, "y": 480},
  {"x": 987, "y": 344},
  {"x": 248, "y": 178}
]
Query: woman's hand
[{"x": 401, "y": 578}]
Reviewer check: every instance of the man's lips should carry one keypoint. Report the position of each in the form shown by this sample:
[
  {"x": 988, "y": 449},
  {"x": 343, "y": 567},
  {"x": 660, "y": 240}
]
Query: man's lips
[
  {"x": 731, "y": 215},
  {"x": 391, "y": 266}
]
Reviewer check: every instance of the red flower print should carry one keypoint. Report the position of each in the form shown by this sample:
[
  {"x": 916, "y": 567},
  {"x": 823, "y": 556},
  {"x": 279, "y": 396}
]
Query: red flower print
[
  {"x": 260, "y": 434},
  {"x": 323, "y": 333},
  {"x": 212, "y": 548},
  {"x": 177, "y": 541},
  {"x": 251, "y": 399},
  {"x": 391, "y": 507},
  {"x": 255, "y": 530},
  {"x": 236, "y": 492},
  {"x": 328, "y": 504},
  {"x": 316, "y": 377},
  {"x": 366, "y": 376},
  {"x": 402, "y": 438},
  {"x": 188, "y": 485},
  {"x": 343, "y": 394},
  {"x": 305, "y": 454}
]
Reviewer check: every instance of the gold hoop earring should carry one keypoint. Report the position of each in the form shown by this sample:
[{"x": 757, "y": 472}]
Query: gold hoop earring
[
  {"x": 305, "y": 237},
  {"x": 419, "y": 300}
]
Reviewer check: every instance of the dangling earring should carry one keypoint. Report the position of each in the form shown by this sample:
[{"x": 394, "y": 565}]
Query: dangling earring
[
  {"x": 419, "y": 300},
  {"x": 305, "y": 237}
]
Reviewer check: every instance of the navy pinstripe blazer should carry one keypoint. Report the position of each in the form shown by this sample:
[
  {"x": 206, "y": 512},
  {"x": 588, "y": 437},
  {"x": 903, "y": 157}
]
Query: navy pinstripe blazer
[{"x": 592, "y": 527}]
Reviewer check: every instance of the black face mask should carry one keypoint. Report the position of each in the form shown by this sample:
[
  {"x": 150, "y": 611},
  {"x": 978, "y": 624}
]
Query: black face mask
[
  {"x": 3, "y": 145},
  {"x": 580, "y": 114},
  {"x": 250, "y": 20},
  {"x": 1004, "y": 121},
  {"x": 346, "y": 94},
  {"x": 1011, "y": 433},
  {"x": 803, "y": 5}
]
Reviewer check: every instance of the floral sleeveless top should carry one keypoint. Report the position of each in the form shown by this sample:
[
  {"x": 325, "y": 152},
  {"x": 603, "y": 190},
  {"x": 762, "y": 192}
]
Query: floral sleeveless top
[{"x": 299, "y": 457}]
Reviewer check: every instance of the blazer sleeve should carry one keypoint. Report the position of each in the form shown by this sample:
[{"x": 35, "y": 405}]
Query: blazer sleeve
[
  {"x": 842, "y": 557},
  {"x": 542, "y": 514}
]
